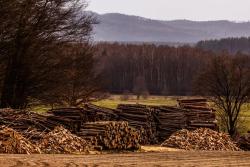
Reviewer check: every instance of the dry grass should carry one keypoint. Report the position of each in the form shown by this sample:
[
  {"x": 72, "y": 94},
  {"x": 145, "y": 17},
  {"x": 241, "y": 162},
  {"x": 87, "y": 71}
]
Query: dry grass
[{"x": 114, "y": 100}]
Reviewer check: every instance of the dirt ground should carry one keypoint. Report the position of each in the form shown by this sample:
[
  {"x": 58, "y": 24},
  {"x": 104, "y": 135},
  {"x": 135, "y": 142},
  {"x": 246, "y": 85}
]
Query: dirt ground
[{"x": 172, "y": 158}]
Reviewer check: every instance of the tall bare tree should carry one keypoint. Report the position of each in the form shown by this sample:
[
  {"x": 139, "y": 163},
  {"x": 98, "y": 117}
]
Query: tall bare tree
[
  {"x": 227, "y": 81},
  {"x": 80, "y": 80},
  {"x": 32, "y": 35}
]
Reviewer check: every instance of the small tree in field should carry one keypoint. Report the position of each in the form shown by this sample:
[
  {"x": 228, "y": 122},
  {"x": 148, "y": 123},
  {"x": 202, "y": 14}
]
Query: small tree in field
[
  {"x": 227, "y": 81},
  {"x": 79, "y": 81},
  {"x": 139, "y": 86}
]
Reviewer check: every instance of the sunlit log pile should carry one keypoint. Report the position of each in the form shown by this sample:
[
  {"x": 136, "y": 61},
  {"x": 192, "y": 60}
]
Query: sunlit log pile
[
  {"x": 126, "y": 127},
  {"x": 141, "y": 118},
  {"x": 201, "y": 139},
  {"x": 12, "y": 142},
  {"x": 111, "y": 135},
  {"x": 62, "y": 141},
  {"x": 58, "y": 141}
]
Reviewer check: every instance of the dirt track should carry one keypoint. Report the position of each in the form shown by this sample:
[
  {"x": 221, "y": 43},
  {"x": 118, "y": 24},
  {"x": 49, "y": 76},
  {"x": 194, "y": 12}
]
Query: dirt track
[{"x": 133, "y": 159}]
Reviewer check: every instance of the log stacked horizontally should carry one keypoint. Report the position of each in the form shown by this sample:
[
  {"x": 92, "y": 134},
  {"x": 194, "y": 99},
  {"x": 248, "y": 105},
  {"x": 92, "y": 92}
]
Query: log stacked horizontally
[
  {"x": 96, "y": 113},
  {"x": 152, "y": 123},
  {"x": 141, "y": 118},
  {"x": 169, "y": 120},
  {"x": 198, "y": 113},
  {"x": 110, "y": 135}
]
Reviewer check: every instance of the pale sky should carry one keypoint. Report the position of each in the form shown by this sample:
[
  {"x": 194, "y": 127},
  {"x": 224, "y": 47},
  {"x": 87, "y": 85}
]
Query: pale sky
[{"x": 202, "y": 10}]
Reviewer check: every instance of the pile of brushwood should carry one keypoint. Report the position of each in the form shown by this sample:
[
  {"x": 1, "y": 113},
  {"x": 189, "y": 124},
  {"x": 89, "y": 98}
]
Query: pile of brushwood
[
  {"x": 201, "y": 139},
  {"x": 62, "y": 141},
  {"x": 58, "y": 134},
  {"x": 12, "y": 142},
  {"x": 58, "y": 141},
  {"x": 30, "y": 125}
]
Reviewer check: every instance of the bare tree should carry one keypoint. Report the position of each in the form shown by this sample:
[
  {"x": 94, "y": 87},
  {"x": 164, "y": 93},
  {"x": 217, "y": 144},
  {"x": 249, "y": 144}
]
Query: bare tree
[
  {"x": 33, "y": 33},
  {"x": 227, "y": 81},
  {"x": 139, "y": 86},
  {"x": 80, "y": 80}
]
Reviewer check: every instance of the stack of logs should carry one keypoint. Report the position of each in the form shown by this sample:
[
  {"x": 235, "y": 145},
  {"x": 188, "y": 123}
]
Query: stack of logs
[
  {"x": 75, "y": 117},
  {"x": 169, "y": 120},
  {"x": 198, "y": 113},
  {"x": 99, "y": 126},
  {"x": 141, "y": 118},
  {"x": 110, "y": 135},
  {"x": 153, "y": 123},
  {"x": 96, "y": 113},
  {"x": 69, "y": 116}
]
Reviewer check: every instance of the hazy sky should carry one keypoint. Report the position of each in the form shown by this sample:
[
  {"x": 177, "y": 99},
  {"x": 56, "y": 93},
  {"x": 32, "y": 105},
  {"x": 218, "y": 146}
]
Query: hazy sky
[{"x": 235, "y": 10}]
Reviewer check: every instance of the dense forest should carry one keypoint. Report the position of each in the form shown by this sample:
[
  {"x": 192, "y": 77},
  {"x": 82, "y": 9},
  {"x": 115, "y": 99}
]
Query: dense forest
[
  {"x": 160, "y": 69},
  {"x": 232, "y": 45}
]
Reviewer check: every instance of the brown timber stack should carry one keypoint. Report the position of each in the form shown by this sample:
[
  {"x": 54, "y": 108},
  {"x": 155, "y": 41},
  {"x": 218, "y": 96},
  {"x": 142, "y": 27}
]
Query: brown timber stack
[
  {"x": 96, "y": 113},
  {"x": 111, "y": 135},
  {"x": 73, "y": 116},
  {"x": 169, "y": 120},
  {"x": 141, "y": 118},
  {"x": 79, "y": 116},
  {"x": 198, "y": 113}
]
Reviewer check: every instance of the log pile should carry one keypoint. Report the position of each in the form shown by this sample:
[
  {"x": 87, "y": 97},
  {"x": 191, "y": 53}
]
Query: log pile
[
  {"x": 96, "y": 113},
  {"x": 198, "y": 113},
  {"x": 160, "y": 122},
  {"x": 141, "y": 118},
  {"x": 110, "y": 135},
  {"x": 201, "y": 139},
  {"x": 11, "y": 142},
  {"x": 29, "y": 124},
  {"x": 188, "y": 103},
  {"x": 73, "y": 118},
  {"x": 169, "y": 120},
  {"x": 62, "y": 141}
]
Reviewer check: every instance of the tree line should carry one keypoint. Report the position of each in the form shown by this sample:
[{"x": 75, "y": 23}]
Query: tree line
[
  {"x": 165, "y": 70},
  {"x": 231, "y": 45}
]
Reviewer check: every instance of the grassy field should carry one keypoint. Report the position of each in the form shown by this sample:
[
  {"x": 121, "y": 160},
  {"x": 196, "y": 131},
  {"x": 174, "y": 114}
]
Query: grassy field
[{"x": 114, "y": 100}]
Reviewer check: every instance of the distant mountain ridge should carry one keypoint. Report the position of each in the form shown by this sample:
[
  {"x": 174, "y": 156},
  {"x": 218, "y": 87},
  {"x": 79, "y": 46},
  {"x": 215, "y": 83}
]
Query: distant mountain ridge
[{"x": 126, "y": 28}]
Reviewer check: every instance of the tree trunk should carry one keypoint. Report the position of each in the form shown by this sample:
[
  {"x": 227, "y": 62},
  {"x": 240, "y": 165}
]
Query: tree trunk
[{"x": 14, "y": 84}]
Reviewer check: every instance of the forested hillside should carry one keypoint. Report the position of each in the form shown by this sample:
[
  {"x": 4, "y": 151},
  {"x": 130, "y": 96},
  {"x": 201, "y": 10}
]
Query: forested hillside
[
  {"x": 120, "y": 27},
  {"x": 232, "y": 45}
]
